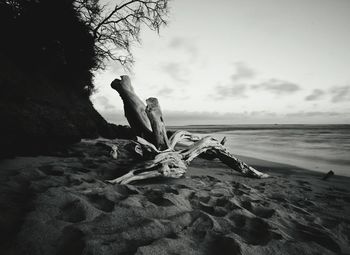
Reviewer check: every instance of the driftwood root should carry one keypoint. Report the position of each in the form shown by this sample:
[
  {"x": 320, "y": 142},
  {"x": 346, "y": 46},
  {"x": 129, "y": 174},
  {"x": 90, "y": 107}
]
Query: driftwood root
[{"x": 167, "y": 157}]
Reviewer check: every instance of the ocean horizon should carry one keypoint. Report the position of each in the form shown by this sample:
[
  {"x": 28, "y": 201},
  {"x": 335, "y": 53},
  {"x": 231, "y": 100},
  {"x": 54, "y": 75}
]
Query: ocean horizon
[{"x": 314, "y": 147}]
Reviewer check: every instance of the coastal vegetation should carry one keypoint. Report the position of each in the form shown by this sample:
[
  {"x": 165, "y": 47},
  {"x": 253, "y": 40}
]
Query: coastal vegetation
[{"x": 49, "y": 52}]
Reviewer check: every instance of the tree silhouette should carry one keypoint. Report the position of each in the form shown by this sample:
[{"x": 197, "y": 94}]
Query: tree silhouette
[
  {"x": 69, "y": 39},
  {"x": 115, "y": 30}
]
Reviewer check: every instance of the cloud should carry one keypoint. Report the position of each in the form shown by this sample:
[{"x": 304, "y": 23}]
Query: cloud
[
  {"x": 278, "y": 87},
  {"x": 230, "y": 91},
  {"x": 236, "y": 86},
  {"x": 313, "y": 114},
  {"x": 317, "y": 117},
  {"x": 166, "y": 91},
  {"x": 103, "y": 102},
  {"x": 262, "y": 113},
  {"x": 315, "y": 95},
  {"x": 176, "y": 71},
  {"x": 242, "y": 75},
  {"x": 205, "y": 117},
  {"x": 242, "y": 72},
  {"x": 186, "y": 44},
  {"x": 253, "y": 117},
  {"x": 340, "y": 94}
]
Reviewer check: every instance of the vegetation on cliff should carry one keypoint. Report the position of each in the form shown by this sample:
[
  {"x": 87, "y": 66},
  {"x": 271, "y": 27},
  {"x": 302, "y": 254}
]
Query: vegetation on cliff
[
  {"x": 48, "y": 53},
  {"x": 69, "y": 39}
]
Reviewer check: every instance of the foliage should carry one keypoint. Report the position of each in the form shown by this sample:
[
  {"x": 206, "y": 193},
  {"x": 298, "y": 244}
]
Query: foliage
[
  {"x": 114, "y": 30},
  {"x": 71, "y": 38}
]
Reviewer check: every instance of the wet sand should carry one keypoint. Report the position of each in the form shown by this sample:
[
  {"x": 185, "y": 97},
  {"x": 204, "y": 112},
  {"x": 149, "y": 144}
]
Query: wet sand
[{"x": 60, "y": 204}]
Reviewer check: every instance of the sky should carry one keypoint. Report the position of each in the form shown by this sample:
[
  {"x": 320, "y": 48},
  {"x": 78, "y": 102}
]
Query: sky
[{"x": 241, "y": 62}]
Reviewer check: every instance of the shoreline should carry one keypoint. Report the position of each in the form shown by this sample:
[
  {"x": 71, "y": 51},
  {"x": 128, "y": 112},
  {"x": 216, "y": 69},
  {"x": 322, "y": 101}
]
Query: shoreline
[{"x": 277, "y": 167}]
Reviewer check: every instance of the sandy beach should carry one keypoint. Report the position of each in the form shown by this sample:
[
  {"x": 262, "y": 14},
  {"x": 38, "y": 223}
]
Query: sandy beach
[
  {"x": 160, "y": 127},
  {"x": 61, "y": 204}
]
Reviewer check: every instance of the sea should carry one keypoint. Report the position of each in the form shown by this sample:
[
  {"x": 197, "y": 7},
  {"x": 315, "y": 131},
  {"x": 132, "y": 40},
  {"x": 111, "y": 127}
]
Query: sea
[{"x": 314, "y": 147}]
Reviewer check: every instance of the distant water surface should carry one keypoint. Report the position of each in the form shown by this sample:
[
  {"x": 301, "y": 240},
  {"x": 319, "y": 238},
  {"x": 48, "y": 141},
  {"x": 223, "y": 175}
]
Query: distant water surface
[{"x": 315, "y": 147}]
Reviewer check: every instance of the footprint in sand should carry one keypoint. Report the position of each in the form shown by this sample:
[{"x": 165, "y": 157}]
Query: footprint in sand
[
  {"x": 213, "y": 210},
  {"x": 52, "y": 170},
  {"x": 303, "y": 183},
  {"x": 72, "y": 212},
  {"x": 71, "y": 242},
  {"x": 125, "y": 190},
  {"x": 278, "y": 197},
  {"x": 253, "y": 230},
  {"x": 100, "y": 202},
  {"x": 261, "y": 187},
  {"x": 317, "y": 234},
  {"x": 156, "y": 197},
  {"x": 225, "y": 245},
  {"x": 256, "y": 231},
  {"x": 260, "y": 211}
]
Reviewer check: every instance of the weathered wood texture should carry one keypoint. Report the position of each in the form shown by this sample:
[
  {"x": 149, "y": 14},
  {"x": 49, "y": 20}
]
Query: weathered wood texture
[
  {"x": 134, "y": 108},
  {"x": 154, "y": 114}
]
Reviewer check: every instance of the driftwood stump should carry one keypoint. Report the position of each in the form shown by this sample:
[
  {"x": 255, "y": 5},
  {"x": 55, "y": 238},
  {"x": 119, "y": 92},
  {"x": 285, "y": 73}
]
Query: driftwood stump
[
  {"x": 158, "y": 127},
  {"x": 134, "y": 108},
  {"x": 152, "y": 140}
]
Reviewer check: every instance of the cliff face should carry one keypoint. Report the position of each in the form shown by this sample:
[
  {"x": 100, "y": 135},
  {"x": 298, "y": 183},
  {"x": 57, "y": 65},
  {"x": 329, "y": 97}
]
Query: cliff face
[{"x": 38, "y": 113}]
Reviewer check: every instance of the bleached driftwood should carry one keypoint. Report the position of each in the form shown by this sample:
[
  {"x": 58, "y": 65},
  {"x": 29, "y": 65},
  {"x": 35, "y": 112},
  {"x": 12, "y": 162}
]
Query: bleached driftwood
[
  {"x": 134, "y": 108},
  {"x": 174, "y": 163},
  {"x": 157, "y": 123},
  {"x": 165, "y": 158},
  {"x": 166, "y": 164}
]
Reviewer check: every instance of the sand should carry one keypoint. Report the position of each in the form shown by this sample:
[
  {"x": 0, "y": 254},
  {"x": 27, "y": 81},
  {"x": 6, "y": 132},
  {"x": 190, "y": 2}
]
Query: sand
[{"x": 60, "y": 204}]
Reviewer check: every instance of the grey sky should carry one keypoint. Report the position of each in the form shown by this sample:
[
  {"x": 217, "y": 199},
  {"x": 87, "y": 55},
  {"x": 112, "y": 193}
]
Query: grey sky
[{"x": 285, "y": 59}]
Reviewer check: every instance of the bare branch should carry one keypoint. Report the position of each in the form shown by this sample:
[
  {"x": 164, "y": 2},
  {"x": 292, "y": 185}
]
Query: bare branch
[{"x": 116, "y": 30}]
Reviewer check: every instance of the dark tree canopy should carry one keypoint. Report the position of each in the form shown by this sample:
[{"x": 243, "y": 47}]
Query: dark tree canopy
[{"x": 72, "y": 38}]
